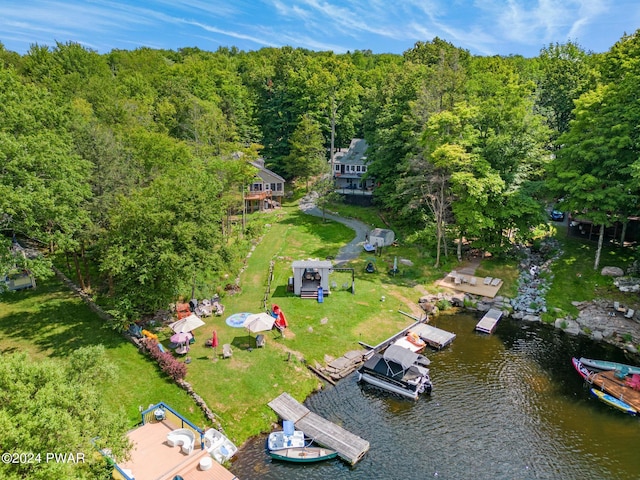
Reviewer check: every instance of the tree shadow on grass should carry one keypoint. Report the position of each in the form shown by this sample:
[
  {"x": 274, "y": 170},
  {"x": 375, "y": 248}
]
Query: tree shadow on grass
[
  {"x": 53, "y": 319},
  {"x": 330, "y": 234},
  {"x": 244, "y": 342}
]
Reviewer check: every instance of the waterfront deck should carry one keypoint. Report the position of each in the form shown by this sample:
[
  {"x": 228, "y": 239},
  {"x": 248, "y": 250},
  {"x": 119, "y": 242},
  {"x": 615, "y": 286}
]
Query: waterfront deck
[
  {"x": 489, "y": 322},
  {"x": 481, "y": 286},
  {"x": 435, "y": 337},
  {"x": 350, "y": 447},
  {"x": 153, "y": 459}
]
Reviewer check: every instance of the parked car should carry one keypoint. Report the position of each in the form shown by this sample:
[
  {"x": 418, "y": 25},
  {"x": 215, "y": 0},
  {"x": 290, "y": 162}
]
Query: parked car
[{"x": 557, "y": 215}]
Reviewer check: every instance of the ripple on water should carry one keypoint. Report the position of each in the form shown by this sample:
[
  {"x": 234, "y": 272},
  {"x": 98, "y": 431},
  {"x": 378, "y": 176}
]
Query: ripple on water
[{"x": 506, "y": 406}]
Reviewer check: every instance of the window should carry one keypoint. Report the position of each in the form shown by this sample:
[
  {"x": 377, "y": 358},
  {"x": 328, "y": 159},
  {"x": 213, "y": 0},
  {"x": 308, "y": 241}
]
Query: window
[
  {"x": 272, "y": 186},
  {"x": 336, "y": 167},
  {"x": 364, "y": 168},
  {"x": 357, "y": 168}
]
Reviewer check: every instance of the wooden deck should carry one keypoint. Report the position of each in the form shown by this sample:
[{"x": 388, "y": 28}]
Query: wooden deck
[
  {"x": 615, "y": 387},
  {"x": 489, "y": 322},
  {"x": 350, "y": 447},
  {"x": 481, "y": 286},
  {"x": 152, "y": 459},
  {"x": 435, "y": 337}
]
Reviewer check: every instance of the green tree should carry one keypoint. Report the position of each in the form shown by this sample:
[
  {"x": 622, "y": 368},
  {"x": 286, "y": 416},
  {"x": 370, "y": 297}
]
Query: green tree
[
  {"x": 594, "y": 169},
  {"x": 49, "y": 406},
  {"x": 565, "y": 74},
  {"x": 307, "y": 156}
]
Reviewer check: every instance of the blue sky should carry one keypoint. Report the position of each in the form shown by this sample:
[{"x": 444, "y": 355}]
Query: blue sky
[{"x": 484, "y": 27}]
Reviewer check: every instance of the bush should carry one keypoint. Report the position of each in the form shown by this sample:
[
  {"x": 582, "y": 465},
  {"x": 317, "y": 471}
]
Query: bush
[
  {"x": 167, "y": 362},
  {"x": 443, "y": 304}
]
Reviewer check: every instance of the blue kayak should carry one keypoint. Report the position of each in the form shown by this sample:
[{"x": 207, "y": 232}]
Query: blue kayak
[{"x": 613, "y": 401}]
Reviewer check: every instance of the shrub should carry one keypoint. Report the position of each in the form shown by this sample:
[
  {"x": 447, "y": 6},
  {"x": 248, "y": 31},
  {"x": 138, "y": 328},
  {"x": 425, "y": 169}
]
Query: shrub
[
  {"x": 443, "y": 304},
  {"x": 167, "y": 362}
]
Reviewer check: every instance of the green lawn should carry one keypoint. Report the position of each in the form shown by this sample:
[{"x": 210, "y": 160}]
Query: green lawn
[{"x": 50, "y": 321}]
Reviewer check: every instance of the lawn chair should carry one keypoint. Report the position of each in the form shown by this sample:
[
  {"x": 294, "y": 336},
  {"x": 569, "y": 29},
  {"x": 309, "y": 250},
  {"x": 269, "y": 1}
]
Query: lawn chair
[
  {"x": 487, "y": 280},
  {"x": 226, "y": 351},
  {"x": 495, "y": 282},
  {"x": 473, "y": 281},
  {"x": 629, "y": 313},
  {"x": 260, "y": 341}
]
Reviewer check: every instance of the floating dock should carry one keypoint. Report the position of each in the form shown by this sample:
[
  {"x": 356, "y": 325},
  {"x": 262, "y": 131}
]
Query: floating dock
[
  {"x": 350, "y": 447},
  {"x": 435, "y": 337},
  {"x": 490, "y": 321}
]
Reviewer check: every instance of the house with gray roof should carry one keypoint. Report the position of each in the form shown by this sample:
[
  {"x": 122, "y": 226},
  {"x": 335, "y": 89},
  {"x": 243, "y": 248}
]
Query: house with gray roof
[
  {"x": 266, "y": 190},
  {"x": 349, "y": 167}
]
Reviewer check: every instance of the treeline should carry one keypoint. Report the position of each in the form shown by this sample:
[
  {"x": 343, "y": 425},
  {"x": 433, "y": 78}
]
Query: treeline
[{"x": 140, "y": 157}]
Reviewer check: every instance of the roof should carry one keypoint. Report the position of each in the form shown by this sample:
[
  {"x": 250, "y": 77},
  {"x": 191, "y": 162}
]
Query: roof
[
  {"x": 312, "y": 264},
  {"x": 356, "y": 153},
  {"x": 381, "y": 232},
  {"x": 400, "y": 355},
  {"x": 260, "y": 166}
]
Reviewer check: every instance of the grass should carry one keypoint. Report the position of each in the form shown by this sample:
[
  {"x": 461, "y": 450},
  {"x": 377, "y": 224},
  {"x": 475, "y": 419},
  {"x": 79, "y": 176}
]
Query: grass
[
  {"x": 575, "y": 279},
  {"x": 50, "y": 321}
]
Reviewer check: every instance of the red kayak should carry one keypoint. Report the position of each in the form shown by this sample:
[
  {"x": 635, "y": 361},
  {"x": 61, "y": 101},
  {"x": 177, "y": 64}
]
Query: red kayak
[{"x": 580, "y": 368}]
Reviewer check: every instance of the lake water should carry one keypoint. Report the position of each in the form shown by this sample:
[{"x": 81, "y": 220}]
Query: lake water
[{"x": 504, "y": 406}]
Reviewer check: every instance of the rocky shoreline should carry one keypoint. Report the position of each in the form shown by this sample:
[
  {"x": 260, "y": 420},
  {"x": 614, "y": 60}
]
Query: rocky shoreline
[{"x": 600, "y": 319}]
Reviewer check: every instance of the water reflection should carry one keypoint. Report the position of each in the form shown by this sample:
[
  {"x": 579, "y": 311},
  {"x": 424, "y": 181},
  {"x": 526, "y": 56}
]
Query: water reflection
[{"x": 504, "y": 406}]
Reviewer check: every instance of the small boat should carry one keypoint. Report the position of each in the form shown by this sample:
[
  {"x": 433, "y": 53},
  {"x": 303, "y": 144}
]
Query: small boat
[
  {"x": 303, "y": 454},
  {"x": 605, "y": 365},
  {"x": 397, "y": 370},
  {"x": 581, "y": 369},
  {"x": 613, "y": 401},
  {"x": 288, "y": 437}
]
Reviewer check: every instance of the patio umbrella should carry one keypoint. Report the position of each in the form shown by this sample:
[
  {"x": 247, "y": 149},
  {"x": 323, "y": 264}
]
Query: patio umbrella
[
  {"x": 214, "y": 339},
  {"x": 187, "y": 324},
  {"x": 259, "y": 322},
  {"x": 182, "y": 337}
]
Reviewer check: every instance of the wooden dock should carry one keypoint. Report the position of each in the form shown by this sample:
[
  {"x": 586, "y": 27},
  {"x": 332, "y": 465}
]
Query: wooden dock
[
  {"x": 435, "y": 337},
  {"x": 490, "y": 321},
  {"x": 350, "y": 447}
]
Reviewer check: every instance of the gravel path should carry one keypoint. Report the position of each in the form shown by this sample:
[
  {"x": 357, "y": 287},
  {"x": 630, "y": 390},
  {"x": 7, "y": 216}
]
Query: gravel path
[{"x": 352, "y": 249}]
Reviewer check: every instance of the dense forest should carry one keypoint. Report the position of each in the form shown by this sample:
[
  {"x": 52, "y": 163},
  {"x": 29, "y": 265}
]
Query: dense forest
[{"x": 130, "y": 164}]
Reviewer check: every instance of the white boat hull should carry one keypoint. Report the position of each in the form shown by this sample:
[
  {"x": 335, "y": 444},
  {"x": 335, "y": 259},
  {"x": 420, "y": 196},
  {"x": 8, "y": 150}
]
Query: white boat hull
[{"x": 390, "y": 387}]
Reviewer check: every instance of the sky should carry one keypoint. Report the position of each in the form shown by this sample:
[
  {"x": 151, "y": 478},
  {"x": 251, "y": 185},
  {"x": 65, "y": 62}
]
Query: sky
[{"x": 484, "y": 27}]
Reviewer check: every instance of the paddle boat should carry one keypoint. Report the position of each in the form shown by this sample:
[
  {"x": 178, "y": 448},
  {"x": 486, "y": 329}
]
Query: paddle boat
[
  {"x": 613, "y": 401},
  {"x": 288, "y": 437},
  {"x": 303, "y": 454}
]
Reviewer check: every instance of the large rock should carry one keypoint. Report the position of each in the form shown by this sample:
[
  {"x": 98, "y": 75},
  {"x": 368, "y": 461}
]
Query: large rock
[
  {"x": 612, "y": 272},
  {"x": 628, "y": 284}
]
